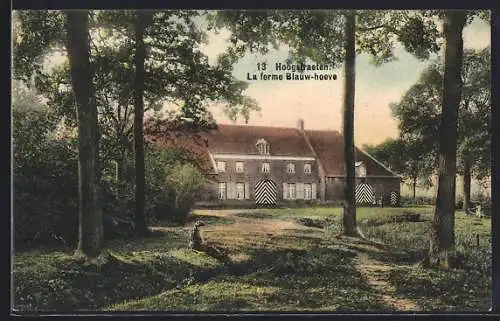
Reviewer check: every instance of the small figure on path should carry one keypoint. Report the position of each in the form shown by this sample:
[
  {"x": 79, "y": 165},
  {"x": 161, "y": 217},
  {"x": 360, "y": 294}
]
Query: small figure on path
[
  {"x": 195, "y": 239},
  {"x": 196, "y": 243},
  {"x": 479, "y": 212}
]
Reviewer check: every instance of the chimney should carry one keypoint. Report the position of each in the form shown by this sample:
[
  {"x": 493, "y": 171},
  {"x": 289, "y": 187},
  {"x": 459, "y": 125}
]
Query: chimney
[{"x": 300, "y": 124}]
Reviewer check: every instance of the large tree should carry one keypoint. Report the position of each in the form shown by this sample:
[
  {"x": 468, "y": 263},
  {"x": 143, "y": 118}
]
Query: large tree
[
  {"x": 419, "y": 116},
  {"x": 38, "y": 33},
  {"x": 474, "y": 120},
  {"x": 142, "y": 20},
  {"x": 90, "y": 232},
  {"x": 442, "y": 242},
  {"x": 349, "y": 218}
]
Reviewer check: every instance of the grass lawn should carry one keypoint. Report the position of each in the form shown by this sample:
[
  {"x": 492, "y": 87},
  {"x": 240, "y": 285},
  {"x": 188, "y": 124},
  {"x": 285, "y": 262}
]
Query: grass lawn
[{"x": 279, "y": 260}]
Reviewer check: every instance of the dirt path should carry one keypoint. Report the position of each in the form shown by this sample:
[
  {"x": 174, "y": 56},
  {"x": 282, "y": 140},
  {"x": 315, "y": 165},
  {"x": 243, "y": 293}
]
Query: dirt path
[
  {"x": 268, "y": 226},
  {"x": 376, "y": 274}
]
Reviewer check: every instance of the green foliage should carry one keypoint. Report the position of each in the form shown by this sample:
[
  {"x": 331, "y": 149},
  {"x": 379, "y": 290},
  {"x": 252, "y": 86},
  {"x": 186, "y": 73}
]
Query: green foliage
[
  {"x": 45, "y": 183},
  {"x": 417, "y": 201},
  {"x": 391, "y": 153},
  {"x": 184, "y": 181},
  {"x": 172, "y": 181},
  {"x": 419, "y": 115},
  {"x": 38, "y": 32},
  {"x": 318, "y": 34}
]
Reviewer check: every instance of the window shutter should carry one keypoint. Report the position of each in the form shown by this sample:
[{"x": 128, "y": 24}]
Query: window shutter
[
  {"x": 299, "y": 191},
  {"x": 313, "y": 191},
  {"x": 247, "y": 191},
  {"x": 284, "y": 191}
]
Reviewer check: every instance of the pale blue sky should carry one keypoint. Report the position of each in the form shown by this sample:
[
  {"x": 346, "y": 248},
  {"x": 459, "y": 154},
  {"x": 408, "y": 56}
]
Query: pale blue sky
[{"x": 319, "y": 102}]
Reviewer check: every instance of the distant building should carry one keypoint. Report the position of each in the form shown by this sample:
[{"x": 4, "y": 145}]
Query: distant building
[{"x": 273, "y": 165}]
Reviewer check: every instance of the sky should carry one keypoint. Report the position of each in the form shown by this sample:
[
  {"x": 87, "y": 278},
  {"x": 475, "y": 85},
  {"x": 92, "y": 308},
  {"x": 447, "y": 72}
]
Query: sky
[{"x": 319, "y": 102}]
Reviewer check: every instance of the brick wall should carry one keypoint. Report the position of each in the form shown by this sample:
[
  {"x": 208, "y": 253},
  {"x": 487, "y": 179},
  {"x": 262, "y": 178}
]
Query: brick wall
[
  {"x": 381, "y": 186},
  {"x": 252, "y": 174}
]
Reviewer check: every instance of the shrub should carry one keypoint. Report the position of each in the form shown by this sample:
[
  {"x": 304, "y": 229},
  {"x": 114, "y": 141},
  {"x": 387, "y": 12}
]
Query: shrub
[
  {"x": 45, "y": 181},
  {"x": 418, "y": 201},
  {"x": 172, "y": 183},
  {"x": 482, "y": 199},
  {"x": 405, "y": 216},
  {"x": 184, "y": 182}
]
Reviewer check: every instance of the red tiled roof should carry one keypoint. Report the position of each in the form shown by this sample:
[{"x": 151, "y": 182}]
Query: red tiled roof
[
  {"x": 235, "y": 139},
  {"x": 241, "y": 139},
  {"x": 329, "y": 147}
]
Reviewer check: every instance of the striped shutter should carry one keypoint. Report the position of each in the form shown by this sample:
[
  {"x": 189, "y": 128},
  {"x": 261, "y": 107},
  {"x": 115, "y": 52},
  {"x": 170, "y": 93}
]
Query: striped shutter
[
  {"x": 364, "y": 194},
  {"x": 394, "y": 198},
  {"x": 285, "y": 191},
  {"x": 313, "y": 191},
  {"x": 247, "y": 191},
  {"x": 299, "y": 192}
]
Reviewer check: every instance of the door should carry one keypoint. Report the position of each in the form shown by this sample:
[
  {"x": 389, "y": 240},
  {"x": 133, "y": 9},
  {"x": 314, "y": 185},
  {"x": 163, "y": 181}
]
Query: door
[
  {"x": 394, "y": 198},
  {"x": 365, "y": 194},
  {"x": 266, "y": 192}
]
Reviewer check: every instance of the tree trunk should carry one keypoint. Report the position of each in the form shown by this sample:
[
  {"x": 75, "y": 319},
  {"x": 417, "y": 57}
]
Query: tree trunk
[
  {"x": 467, "y": 182},
  {"x": 349, "y": 219},
  {"x": 442, "y": 242},
  {"x": 414, "y": 185},
  {"x": 139, "y": 59},
  {"x": 90, "y": 230}
]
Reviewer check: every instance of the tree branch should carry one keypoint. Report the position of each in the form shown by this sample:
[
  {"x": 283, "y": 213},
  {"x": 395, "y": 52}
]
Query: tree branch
[{"x": 384, "y": 26}]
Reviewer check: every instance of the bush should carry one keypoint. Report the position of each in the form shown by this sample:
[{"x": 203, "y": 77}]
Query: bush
[
  {"x": 45, "y": 182},
  {"x": 482, "y": 199},
  {"x": 172, "y": 183},
  {"x": 459, "y": 204},
  {"x": 184, "y": 181},
  {"x": 418, "y": 201},
  {"x": 405, "y": 216}
]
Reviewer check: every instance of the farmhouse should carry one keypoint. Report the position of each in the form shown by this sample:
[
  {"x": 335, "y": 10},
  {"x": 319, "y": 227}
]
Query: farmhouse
[{"x": 272, "y": 165}]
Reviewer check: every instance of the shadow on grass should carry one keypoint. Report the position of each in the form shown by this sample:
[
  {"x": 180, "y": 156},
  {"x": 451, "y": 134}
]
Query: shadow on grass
[
  {"x": 318, "y": 279},
  {"x": 465, "y": 289},
  {"x": 386, "y": 253},
  {"x": 439, "y": 290},
  {"x": 57, "y": 281},
  {"x": 256, "y": 215}
]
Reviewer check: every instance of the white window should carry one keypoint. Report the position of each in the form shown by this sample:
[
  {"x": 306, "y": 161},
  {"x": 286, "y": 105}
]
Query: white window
[
  {"x": 307, "y": 168},
  {"x": 222, "y": 191},
  {"x": 290, "y": 168},
  {"x": 240, "y": 191},
  {"x": 221, "y": 166},
  {"x": 239, "y": 167},
  {"x": 360, "y": 169},
  {"x": 307, "y": 191},
  {"x": 291, "y": 191},
  {"x": 265, "y": 167},
  {"x": 262, "y": 146}
]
